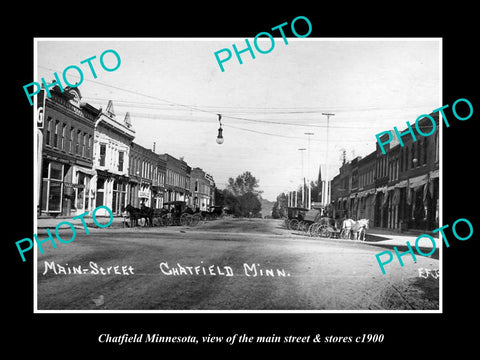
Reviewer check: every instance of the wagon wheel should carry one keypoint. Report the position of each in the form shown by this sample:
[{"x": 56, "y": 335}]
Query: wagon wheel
[
  {"x": 300, "y": 225},
  {"x": 326, "y": 232},
  {"x": 287, "y": 223},
  {"x": 184, "y": 219},
  {"x": 311, "y": 229},
  {"x": 167, "y": 221},
  {"x": 305, "y": 226},
  {"x": 294, "y": 224},
  {"x": 316, "y": 230},
  {"x": 321, "y": 230},
  {"x": 194, "y": 220}
]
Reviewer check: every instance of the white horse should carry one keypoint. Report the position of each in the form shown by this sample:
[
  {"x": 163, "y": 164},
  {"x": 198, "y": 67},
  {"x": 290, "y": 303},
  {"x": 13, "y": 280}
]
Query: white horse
[{"x": 357, "y": 228}]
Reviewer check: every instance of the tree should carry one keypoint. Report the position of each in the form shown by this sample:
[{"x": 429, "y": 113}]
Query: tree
[
  {"x": 230, "y": 202},
  {"x": 279, "y": 209},
  {"x": 243, "y": 184},
  {"x": 249, "y": 205}
]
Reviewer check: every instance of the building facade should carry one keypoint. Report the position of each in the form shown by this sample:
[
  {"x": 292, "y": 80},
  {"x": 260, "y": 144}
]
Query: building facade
[
  {"x": 200, "y": 190},
  {"x": 65, "y": 153},
  {"x": 111, "y": 160},
  {"x": 87, "y": 158},
  {"x": 177, "y": 179},
  {"x": 147, "y": 177},
  {"x": 398, "y": 190}
]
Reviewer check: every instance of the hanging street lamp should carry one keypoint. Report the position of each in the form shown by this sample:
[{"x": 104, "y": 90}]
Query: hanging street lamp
[{"x": 220, "y": 130}]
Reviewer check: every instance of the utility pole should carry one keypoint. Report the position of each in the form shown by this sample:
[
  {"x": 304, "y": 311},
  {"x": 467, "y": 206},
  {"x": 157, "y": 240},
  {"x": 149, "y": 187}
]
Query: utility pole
[
  {"x": 309, "y": 197},
  {"x": 327, "y": 187},
  {"x": 303, "y": 179}
]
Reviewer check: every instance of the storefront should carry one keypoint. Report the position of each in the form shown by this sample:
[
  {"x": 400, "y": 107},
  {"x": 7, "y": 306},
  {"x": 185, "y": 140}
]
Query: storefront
[
  {"x": 119, "y": 194},
  {"x": 81, "y": 189},
  {"x": 52, "y": 187}
]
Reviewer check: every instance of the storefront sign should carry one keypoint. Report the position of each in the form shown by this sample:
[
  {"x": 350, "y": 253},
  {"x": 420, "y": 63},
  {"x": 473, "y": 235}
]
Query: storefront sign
[{"x": 143, "y": 194}]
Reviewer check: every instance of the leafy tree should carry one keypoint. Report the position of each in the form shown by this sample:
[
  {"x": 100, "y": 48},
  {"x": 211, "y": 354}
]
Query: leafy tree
[
  {"x": 279, "y": 209},
  {"x": 243, "y": 184},
  {"x": 230, "y": 202},
  {"x": 249, "y": 205}
]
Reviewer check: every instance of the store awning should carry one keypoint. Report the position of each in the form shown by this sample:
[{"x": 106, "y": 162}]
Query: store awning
[
  {"x": 417, "y": 181},
  {"x": 84, "y": 170},
  {"x": 401, "y": 184}
]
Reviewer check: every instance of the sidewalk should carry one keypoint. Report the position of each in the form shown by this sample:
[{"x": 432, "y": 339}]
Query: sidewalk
[
  {"x": 52, "y": 222},
  {"x": 387, "y": 239}
]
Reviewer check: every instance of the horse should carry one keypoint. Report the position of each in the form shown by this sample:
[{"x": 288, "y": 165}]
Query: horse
[
  {"x": 147, "y": 213},
  {"x": 356, "y": 228},
  {"x": 134, "y": 214},
  {"x": 142, "y": 213}
]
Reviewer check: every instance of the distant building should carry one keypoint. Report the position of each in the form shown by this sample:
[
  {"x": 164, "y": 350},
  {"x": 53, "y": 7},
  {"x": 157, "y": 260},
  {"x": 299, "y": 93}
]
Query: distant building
[
  {"x": 200, "y": 189},
  {"x": 177, "y": 182},
  {"x": 147, "y": 177}
]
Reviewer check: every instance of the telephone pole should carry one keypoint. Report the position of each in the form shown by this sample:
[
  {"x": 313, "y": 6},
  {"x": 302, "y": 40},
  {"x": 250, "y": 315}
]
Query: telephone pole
[
  {"x": 303, "y": 179},
  {"x": 327, "y": 186},
  {"x": 309, "y": 196}
]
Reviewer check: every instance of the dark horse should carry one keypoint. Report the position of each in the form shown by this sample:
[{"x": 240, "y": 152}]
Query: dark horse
[{"x": 143, "y": 213}]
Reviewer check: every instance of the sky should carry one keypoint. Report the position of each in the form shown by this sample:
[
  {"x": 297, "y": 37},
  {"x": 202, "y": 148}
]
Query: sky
[{"x": 174, "y": 89}]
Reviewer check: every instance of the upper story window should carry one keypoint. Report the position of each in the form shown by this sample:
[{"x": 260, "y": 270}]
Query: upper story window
[
  {"x": 103, "y": 152},
  {"x": 121, "y": 157}
]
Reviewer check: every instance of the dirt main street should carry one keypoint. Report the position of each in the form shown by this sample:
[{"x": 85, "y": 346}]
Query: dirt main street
[{"x": 228, "y": 264}]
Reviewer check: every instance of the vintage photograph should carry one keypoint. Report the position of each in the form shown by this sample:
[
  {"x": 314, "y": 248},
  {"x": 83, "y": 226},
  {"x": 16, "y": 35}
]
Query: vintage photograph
[{"x": 170, "y": 179}]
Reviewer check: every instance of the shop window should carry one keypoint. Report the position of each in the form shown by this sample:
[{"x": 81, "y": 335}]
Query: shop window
[
  {"x": 56, "y": 171},
  {"x": 100, "y": 191},
  {"x": 80, "y": 202},
  {"x": 52, "y": 186}
]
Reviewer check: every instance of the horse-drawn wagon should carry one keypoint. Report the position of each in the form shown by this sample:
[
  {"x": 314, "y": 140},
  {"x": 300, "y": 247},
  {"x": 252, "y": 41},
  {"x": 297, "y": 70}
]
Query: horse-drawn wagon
[
  {"x": 180, "y": 214},
  {"x": 324, "y": 227},
  {"x": 295, "y": 217}
]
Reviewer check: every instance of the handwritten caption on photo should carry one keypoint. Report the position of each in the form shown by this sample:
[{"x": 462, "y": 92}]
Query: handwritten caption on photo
[{"x": 59, "y": 238}]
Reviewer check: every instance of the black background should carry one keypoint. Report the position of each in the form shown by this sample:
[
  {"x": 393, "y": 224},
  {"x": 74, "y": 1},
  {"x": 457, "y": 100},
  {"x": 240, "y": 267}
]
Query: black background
[{"x": 405, "y": 334}]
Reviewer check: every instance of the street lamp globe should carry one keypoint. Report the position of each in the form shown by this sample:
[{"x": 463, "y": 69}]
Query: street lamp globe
[{"x": 220, "y": 136}]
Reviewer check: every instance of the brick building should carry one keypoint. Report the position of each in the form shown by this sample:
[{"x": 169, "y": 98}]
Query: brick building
[
  {"x": 65, "y": 155},
  {"x": 147, "y": 177},
  {"x": 177, "y": 179},
  {"x": 398, "y": 190},
  {"x": 200, "y": 189}
]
